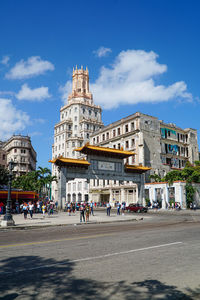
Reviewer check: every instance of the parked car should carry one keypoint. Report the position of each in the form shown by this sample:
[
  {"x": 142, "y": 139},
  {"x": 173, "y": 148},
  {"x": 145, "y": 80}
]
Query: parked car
[{"x": 136, "y": 208}]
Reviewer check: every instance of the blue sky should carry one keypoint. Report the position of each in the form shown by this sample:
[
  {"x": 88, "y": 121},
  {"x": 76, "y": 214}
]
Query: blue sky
[{"x": 142, "y": 56}]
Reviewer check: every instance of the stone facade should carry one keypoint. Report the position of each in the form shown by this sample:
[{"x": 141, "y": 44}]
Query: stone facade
[
  {"x": 158, "y": 145},
  {"x": 79, "y": 118},
  {"x": 3, "y": 156},
  {"x": 19, "y": 149},
  {"x": 163, "y": 147}
]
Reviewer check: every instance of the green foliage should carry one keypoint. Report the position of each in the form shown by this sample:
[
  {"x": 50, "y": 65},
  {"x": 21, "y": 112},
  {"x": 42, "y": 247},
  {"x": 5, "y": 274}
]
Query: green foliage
[
  {"x": 190, "y": 190},
  {"x": 189, "y": 174},
  {"x": 173, "y": 176},
  {"x": 3, "y": 176},
  {"x": 155, "y": 177},
  {"x": 38, "y": 181},
  {"x": 147, "y": 201}
]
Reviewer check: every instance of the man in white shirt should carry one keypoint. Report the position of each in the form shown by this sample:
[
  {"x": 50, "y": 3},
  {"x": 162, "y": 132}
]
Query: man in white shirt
[{"x": 30, "y": 207}]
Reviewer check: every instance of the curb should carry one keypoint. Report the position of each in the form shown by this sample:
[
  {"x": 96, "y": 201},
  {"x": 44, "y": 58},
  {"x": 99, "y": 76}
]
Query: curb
[{"x": 71, "y": 224}]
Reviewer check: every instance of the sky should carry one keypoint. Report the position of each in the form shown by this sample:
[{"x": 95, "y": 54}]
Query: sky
[{"x": 142, "y": 55}]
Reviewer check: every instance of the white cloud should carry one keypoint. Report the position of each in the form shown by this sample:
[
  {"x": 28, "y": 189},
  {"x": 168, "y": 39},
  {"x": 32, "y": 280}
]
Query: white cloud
[
  {"x": 32, "y": 67},
  {"x": 12, "y": 120},
  {"x": 131, "y": 80},
  {"x": 5, "y": 60},
  {"x": 102, "y": 51},
  {"x": 38, "y": 94}
]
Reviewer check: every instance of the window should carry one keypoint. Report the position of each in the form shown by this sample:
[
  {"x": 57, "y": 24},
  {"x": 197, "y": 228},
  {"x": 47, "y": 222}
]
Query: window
[
  {"x": 90, "y": 112},
  {"x": 103, "y": 137},
  {"x": 118, "y": 131},
  {"x": 93, "y": 140},
  {"x": 86, "y": 185},
  {"x": 133, "y": 142},
  {"x": 62, "y": 116},
  {"x": 4, "y": 157},
  {"x": 75, "y": 109},
  {"x": 88, "y": 135},
  {"x": 15, "y": 150},
  {"x": 132, "y": 125},
  {"x": 83, "y": 110},
  {"x": 73, "y": 144},
  {"x": 126, "y": 128},
  {"x": 97, "y": 139},
  {"x": 79, "y": 186},
  {"x": 133, "y": 159},
  {"x": 127, "y": 144},
  {"x": 114, "y": 146},
  {"x": 74, "y": 186},
  {"x": 114, "y": 133},
  {"x": 75, "y": 127},
  {"x": 88, "y": 126},
  {"x": 119, "y": 146},
  {"x": 75, "y": 118},
  {"x": 95, "y": 113},
  {"x": 107, "y": 135}
]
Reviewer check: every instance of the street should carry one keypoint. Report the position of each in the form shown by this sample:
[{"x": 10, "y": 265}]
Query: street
[{"x": 158, "y": 258}]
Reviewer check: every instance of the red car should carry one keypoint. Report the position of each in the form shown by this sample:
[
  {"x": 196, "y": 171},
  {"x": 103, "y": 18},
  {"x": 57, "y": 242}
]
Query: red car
[{"x": 136, "y": 208}]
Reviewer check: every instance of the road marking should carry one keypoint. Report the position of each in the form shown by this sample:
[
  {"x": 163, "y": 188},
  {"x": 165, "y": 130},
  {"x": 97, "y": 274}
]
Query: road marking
[
  {"x": 91, "y": 258},
  {"x": 57, "y": 241}
]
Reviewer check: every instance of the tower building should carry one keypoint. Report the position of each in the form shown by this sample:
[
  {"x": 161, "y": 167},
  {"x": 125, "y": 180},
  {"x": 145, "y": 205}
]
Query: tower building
[{"x": 79, "y": 118}]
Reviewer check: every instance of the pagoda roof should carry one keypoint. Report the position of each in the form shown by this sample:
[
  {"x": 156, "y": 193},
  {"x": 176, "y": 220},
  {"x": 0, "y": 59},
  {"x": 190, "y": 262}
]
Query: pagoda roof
[
  {"x": 70, "y": 162},
  {"x": 136, "y": 169},
  {"x": 104, "y": 151}
]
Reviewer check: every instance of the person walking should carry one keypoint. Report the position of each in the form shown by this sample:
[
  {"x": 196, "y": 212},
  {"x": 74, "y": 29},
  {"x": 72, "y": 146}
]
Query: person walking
[
  {"x": 30, "y": 207},
  {"x": 108, "y": 208},
  {"x": 118, "y": 208},
  {"x": 25, "y": 210},
  {"x": 87, "y": 212},
  {"x": 92, "y": 208},
  {"x": 82, "y": 215},
  {"x": 43, "y": 209}
]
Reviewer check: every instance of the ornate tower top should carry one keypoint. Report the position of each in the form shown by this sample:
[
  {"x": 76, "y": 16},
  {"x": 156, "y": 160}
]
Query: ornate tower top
[{"x": 80, "y": 84}]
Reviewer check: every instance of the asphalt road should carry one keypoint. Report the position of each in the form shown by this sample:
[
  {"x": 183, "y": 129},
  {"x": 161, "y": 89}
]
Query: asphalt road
[{"x": 157, "y": 258}]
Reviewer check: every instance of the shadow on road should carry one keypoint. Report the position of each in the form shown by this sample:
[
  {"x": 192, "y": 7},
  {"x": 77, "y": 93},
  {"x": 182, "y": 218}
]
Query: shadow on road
[{"x": 34, "y": 277}]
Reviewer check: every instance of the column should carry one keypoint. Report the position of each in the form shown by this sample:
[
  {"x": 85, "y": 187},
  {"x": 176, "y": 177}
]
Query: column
[
  {"x": 62, "y": 187},
  {"x": 122, "y": 195},
  {"x": 141, "y": 190}
]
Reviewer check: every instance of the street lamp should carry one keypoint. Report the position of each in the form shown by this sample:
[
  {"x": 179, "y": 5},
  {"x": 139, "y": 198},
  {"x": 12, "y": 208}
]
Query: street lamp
[{"x": 8, "y": 220}]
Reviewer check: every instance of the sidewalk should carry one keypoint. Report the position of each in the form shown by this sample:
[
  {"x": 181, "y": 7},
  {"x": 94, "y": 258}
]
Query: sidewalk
[{"x": 62, "y": 218}]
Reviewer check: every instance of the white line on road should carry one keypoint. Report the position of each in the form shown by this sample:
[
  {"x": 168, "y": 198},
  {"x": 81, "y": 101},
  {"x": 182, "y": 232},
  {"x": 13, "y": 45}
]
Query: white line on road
[{"x": 90, "y": 258}]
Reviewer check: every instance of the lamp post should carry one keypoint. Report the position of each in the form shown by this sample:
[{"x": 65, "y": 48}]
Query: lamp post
[{"x": 8, "y": 220}]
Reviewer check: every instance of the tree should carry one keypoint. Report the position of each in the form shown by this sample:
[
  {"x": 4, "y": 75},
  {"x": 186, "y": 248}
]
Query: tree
[
  {"x": 190, "y": 191},
  {"x": 3, "y": 176},
  {"x": 155, "y": 177},
  {"x": 38, "y": 181}
]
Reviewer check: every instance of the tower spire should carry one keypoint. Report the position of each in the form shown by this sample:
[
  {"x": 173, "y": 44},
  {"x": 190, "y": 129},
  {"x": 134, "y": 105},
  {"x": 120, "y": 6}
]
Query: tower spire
[{"x": 80, "y": 85}]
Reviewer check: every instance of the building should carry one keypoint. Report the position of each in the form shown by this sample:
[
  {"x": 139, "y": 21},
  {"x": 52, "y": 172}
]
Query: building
[
  {"x": 3, "y": 157},
  {"x": 19, "y": 149},
  {"x": 160, "y": 146},
  {"x": 78, "y": 119}
]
